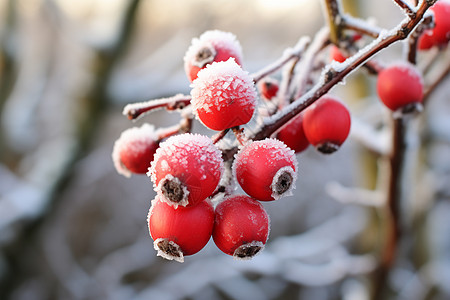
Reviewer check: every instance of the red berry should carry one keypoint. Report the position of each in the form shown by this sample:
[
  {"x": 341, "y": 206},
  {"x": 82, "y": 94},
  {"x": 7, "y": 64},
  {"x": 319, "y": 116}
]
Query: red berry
[
  {"x": 187, "y": 169},
  {"x": 426, "y": 40},
  {"x": 241, "y": 226},
  {"x": 268, "y": 88},
  {"x": 213, "y": 45},
  {"x": 134, "y": 150},
  {"x": 293, "y": 134},
  {"x": 223, "y": 95},
  {"x": 336, "y": 54},
  {"x": 400, "y": 87},
  {"x": 266, "y": 170},
  {"x": 181, "y": 231},
  {"x": 327, "y": 124},
  {"x": 440, "y": 34}
]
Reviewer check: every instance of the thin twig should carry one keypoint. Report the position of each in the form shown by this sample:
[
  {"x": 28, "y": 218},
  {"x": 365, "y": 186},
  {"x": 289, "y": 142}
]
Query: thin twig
[
  {"x": 436, "y": 82},
  {"x": 240, "y": 136},
  {"x": 288, "y": 55},
  {"x": 219, "y": 136},
  {"x": 135, "y": 110},
  {"x": 360, "y": 26},
  {"x": 406, "y": 7}
]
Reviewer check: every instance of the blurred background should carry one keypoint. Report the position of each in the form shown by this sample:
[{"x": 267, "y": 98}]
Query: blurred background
[{"x": 71, "y": 227}]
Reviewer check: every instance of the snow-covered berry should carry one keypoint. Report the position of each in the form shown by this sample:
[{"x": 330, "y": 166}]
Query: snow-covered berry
[
  {"x": 440, "y": 34},
  {"x": 223, "y": 95},
  {"x": 181, "y": 231},
  {"x": 266, "y": 169},
  {"x": 327, "y": 124},
  {"x": 241, "y": 226},
  {"x": 186, "y": 169},
  {"x": 293, "y": 134},
  {"x": 400, "y": 87},
  {"x": 212, "y": 45},
  {"x": 134, "y": 150}
]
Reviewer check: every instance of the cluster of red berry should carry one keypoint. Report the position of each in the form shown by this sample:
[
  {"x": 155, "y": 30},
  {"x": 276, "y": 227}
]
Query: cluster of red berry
[{"x": 188, "y": 170}]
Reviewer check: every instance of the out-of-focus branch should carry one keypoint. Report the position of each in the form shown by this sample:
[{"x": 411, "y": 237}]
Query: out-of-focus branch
[
  {"x": 437, "y": 80},
  {"x": 8, "y": 72},
  {"x": 334, "y": 19},
  {"x": 288, "y": 55},
  {"x": 405, "y": 6}
]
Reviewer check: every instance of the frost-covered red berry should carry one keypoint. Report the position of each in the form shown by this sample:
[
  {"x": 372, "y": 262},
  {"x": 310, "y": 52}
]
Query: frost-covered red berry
[
  {"x": 440, "y": 34},
  {"x": 266, "y": 170},
  {"x": 212, "y": 45},
  {"x": 223, "y": 95},
  {"x": 400, "y": 87},
  {"x": 186, "y": 169},
  {"x": 134, "y": 150},
  {"x": 327, "y": 124},
  {"x": 293, "y": 134},
  {"x": 241, "y": 226},
  {"x": 181, "y": 231},
  {"x": 268, "y": 87}
]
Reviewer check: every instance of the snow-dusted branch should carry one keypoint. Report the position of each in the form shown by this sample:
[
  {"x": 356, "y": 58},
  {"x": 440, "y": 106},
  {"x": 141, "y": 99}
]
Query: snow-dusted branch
[
  {"x": 336, "y": 72},
  {"x": 288, "y": 55},
  {"x": 136, "y": 110},
  {"x": 405, "y": 6}
]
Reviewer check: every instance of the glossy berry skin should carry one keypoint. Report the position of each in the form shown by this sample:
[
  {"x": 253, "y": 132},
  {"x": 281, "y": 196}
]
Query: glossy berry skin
[
  {"x": 181, "y": 231},
  {"x": 211, "y": 46},
  {"x": 440, "y": 34},
  {"x": 327, "y": 124},
  {"x": 268, "y": 88},
  {"x": 293, "y": 134},
  {"x": 223, "y": 95},
  {"x": 266, "y": 169},
  {"x": 134, "y": 150},
  {"x": 241, "y": 226},
  {"x": 399, "y": 86},
  {"x": 186, "y": 169}
]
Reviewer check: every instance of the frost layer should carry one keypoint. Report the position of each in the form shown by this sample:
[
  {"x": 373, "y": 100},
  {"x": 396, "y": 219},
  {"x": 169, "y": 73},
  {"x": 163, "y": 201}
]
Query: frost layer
[
  {"x": 193, "y": 160},
  {"x": 215, "y": 39},
  {"x": 137, "y": 141},
  {"x": 223, "y": 95}
]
